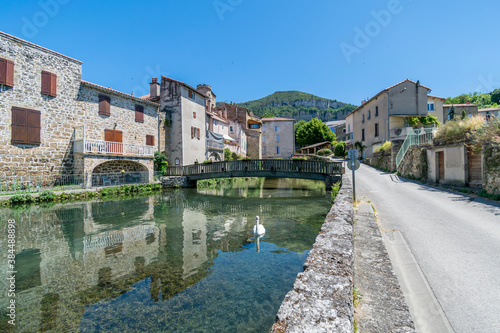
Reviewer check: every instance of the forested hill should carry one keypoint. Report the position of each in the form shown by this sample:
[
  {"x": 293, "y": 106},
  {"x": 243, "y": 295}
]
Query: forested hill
[{"x": 298, "y": 105}]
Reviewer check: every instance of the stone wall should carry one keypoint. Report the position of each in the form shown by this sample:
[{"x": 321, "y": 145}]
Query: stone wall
[
  {"x": 414, "y": 164},
  {"x": 175, "y": 182},
  {"x": 491, "y": 169},
  {"x": 321, "y": 299}
]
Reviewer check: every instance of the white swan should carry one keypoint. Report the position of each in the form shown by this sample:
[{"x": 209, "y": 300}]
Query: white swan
[{"x": 258, "y": 229}]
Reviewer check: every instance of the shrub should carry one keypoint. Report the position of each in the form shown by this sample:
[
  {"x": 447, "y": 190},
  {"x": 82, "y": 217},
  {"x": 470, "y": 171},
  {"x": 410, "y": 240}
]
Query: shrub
[
  {"x": 335, "y": 190},
  {"x": 227, "y": 154},
  {"x": 385, "y": 147},
  {"x": 208, "y": 162},
  {"x": 46, "y": 196},
  {"x": 246, "y": 158},
  {"x": 21, "y": 199},
  {"x": 323, "y": 152},
  {"x": 340, "y": 150},
  {"x": 459, "y": 130},
  {"x": 298, "y": 158}
]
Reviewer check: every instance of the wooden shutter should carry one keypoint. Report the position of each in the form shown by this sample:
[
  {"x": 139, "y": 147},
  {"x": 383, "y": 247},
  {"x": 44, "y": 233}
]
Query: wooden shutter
[
  {"x": 139, "y": 113},
  {"x": 46, "y": 83},
  {"x": 3, "y": 71},
  {"x": 104, "y": 105},
  {"x": 108, "y": 135},
  {"x": 199, "y": 134},
  {"x": 19, "y": 126},
  {"x": 6, "y": 72},
  {"x": 190, "y": 93},
  {"x": 192, "y": 132},
  {"x": 150, "y": 140},
  {"x": 34, "y": 126},
  {"x": 53, "y": 85}
]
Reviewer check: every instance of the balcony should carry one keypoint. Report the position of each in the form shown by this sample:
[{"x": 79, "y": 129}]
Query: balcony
[
  {"x": 212, "y": 144},
  {"x": 88, "y": 146}
]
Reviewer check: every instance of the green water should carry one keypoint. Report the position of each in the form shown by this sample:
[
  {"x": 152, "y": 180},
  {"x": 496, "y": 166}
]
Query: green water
[{"x": 180, "y": 261}]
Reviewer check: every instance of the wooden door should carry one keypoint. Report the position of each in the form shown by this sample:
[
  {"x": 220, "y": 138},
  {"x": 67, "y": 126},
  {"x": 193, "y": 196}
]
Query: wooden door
[
  {"x": 440, "y": 166},
  {"x": 475, "y": 178},
  {"x": 111, "y": 136}
]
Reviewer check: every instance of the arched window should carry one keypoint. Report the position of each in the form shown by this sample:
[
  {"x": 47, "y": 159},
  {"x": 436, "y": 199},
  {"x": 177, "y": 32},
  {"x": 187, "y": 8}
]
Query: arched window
[{"x": 177, "y": 161}]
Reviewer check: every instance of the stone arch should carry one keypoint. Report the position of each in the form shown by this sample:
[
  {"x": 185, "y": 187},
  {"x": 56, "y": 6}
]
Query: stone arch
[
  {"x": 111, "y": 171},
  {"x": 214, "y": 156}
]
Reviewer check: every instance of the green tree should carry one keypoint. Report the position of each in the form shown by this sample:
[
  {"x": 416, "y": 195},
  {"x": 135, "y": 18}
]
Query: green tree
[
  {"x": 268, "y": 115},
  {"x": 451, "y": 113},
  {"x": 495, "y": 96},
  {"x": 158, "y": 159},
  {"x": 227, "y": 154},
  {"x": 314, "y": 131},
  {"x": 298, "y": 126},
  {"x": 464, "y": 115},
  {"x": 340, "y": 150}
]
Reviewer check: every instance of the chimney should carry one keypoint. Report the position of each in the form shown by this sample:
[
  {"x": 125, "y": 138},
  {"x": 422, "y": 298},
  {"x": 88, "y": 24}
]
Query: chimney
[
  {"x": 154, "y": 88},
  {"x": 219, "y": 113},
  {"x": 468, "y": 102},
  {"x": 224, "y": 114}
]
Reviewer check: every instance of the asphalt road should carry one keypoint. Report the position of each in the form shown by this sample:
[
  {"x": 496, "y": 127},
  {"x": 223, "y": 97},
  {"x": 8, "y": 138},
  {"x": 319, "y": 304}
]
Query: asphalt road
[{"x": 454, "y": 238}]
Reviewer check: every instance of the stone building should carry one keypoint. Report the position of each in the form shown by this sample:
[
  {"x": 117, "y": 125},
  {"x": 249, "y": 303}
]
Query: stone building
[
  {"x": 278, "y": 137},
  {"x": 251, "y": 124},
  {"x": 53, "y": 123},
  {"x": 185, "y": 120},
  {"x": 470, "y": 110}
]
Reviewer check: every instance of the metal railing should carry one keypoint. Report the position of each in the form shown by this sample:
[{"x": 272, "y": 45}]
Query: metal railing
[
  {"x": 111, "y": 148},
  {"x": 36, "y": 183},
  {"x": 320, "y": 167},
  {"x": 214, "y": 144},
  {"x": 414, "y": 138}
]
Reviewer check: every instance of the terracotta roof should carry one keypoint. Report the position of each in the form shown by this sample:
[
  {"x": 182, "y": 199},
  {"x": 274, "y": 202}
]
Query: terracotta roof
[
  {"x": 185, "y": 85},
  {"x": 385, "y": 90},
  {"x": 489, "y": 109},
  {"x": 216, "y": 117},
  {"x": 448, "y": 105},
  {"x": 436, "y": 97},
  {"x": 277, "y": 119},
  {"x": 37, "y": 46},
  {"x": 90, "y": 84}
]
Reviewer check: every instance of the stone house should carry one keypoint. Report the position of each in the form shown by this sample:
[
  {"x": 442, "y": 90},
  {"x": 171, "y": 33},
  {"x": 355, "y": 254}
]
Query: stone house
[
  {"x": 278, "y": 137},
  {"x": 53, "y": 123},
  {"x": 384, "y": 117},
  {"x": 251, "y": 124},
  {"x": 489, "y": 113},
  {"x": 185, "y": 122},
  {"x": 339, "y": 127},
  {"x": 470, "y": 110}
]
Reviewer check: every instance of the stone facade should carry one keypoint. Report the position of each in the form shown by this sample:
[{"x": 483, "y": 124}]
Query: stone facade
[
  {"x": 492, "y": 169},
  {"x": 278, "y": 138},
  {"x": 75, "y": 106}
]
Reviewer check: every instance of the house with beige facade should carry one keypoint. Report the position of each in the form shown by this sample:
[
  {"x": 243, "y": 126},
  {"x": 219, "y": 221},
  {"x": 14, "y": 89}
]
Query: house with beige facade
[
  {"x": 185, "y": 122},
  {"x": 54, "y": 124},
  {"x": 384, "y": 117},
  {"x": 278, "y": 137}
]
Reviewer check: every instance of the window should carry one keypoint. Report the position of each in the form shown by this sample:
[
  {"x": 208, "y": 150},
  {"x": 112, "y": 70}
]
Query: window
[
  {"x": 265, "y": 150},
  {"x": 194, "y": 115},
  {"x": 195, "y": 133},
  {"x": 369, "y": 114},
  {"x": 231, "y": 128},
  {"x": 216, "y": 123},
  {"x": 376, "y": 111},
  {"x": 104, "y": 105},
  {"x": 49, "y": 84},
  {"x": 139, "y": 113},
  {"x": 376, "y": 129},
  {"x": 277, "y": 138},
  {"x": 363, "y": 119},
  {"x": 191, "y": 94},
  {"x": 6, "y": 72},
  {"x": 150, "y": 140},
  {"x": 277, "y": 150},
  {"x": 430, "y": 106},
  {"x": 276, "y": 128},
  {"x": 26, "y": 126},
  {"x": 254, "y": 126},
  {"x": 177, "y": 162},
  {"x": 263, "y": 138},
  {"x": 363, "y": 134}
]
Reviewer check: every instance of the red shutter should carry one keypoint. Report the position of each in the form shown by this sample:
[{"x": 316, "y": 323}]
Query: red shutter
[
  {"x": 139, "y": 113},
  {"x": 53, "y": 85},
  {"x": 46, "y": 83},
  {"x": 108, "y": 135},
  {"x": 34, "y": 127},
  {"x": 19, "y": 128},
  {"x": 190, "y": 93},
  {"x": 9, "y": 77},
  {"x": 3, "y": 71},
  {"x": 150, "y": 140},
  {"x": 192, "y": 132},
  {"x": 104, "y": 105},
  {"x": 198, "y": 134}
]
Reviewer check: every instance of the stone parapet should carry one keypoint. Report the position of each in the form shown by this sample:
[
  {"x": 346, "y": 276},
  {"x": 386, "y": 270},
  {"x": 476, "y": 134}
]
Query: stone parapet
[{"x": 321, "y": 299}]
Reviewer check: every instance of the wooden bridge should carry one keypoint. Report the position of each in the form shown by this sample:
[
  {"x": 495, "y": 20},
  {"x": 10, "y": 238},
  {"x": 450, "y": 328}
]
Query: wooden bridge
[{"x": 329, "y": 172}]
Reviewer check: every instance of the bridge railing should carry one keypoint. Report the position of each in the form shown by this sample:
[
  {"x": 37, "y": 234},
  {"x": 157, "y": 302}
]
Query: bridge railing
[{"x": 328, "y": 168}]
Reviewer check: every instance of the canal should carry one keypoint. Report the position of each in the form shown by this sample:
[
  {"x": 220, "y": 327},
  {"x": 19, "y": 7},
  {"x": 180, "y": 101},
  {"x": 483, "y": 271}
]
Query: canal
[{"x": 180, "y": 261}]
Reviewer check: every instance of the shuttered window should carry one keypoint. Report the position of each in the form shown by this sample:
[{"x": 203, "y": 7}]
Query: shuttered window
[
  {"x": 150, "y": 140},
  {"x": 139, "y": 113},
  {"x": 49, "y": 84},
  {"x": 6, "y": 72},
  {"x": 104, "y": 105},
  {"x": 190, "y": 94},
  {"x": 192, "y": 132},
  {"x": 26, "y": 126}
]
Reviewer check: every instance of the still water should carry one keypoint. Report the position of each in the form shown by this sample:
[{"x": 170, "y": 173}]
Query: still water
[{"x": 179, "y": 261}]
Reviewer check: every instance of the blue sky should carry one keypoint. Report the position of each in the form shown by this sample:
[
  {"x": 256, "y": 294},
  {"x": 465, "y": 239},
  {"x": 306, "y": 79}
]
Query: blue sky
[{"x": 247, "y": 49}]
